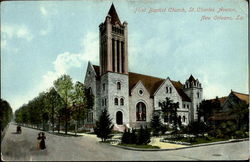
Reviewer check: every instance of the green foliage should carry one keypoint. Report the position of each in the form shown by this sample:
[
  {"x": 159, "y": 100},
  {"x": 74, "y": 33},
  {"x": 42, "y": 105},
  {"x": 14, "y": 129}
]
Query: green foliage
[
  {"x": 104, "y": 126},
  {"x": 164, "y": 129},
  {"x": 126, "y": 137},
  {"x": 169, "y": 108},
  {"x": 5, "y": 114},
  {"x": 156, "y": 124},
  {"x": 140, "y": 146},
  {"x": 143, "y": 137},
  {"x": 197, "y": 128},
  {"x": 64, "y": 88}
]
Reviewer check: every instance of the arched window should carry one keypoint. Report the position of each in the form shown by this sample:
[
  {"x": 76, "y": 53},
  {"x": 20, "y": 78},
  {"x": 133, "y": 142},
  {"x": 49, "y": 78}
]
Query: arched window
[
  {"x": 116, "y": 101},
  {"x": 118, "y": 85},
  {"x": 184, "y": 119},
  {"x": 121, "y": 101},
  {"x": 141, "y": 112},
  {"x": 184, "y": 106}
]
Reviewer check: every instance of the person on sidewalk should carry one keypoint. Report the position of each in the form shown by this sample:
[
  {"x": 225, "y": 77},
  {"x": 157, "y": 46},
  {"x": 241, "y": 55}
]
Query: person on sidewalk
[
  {"x": 38, "y": 140},
  {"x": 42, "y": 142}
]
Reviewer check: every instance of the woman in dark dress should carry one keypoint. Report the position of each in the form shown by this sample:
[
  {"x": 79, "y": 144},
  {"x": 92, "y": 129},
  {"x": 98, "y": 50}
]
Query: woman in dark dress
[
  {"x": 42, "y": 143},
  {"x": 38, "y": 140}
]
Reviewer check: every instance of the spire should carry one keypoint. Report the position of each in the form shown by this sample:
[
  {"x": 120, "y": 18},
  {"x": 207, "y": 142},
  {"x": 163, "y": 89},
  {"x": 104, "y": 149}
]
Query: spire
[
  {"x": 191, "y": 78},
  {"x": 113, "y": 14}
]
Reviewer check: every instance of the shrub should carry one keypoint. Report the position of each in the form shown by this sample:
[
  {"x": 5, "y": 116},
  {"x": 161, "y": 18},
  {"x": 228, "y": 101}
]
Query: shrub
[{"x": 143, "y": 136}]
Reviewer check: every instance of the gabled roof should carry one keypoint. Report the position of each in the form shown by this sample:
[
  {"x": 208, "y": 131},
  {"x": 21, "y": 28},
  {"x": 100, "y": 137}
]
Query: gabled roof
[
  {"x": 114, "y": 17},
  {"x": 151, "y": 83},
  {"x": 241, "y": 96},
  {"x": 179, "y": 87}
]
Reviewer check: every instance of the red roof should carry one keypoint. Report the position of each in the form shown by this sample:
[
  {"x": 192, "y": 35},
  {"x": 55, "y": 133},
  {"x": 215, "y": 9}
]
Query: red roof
[{"x": 151, "y": 83}]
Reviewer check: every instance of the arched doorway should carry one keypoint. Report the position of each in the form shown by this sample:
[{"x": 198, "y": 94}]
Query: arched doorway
[{"x": 119, "y": 119}]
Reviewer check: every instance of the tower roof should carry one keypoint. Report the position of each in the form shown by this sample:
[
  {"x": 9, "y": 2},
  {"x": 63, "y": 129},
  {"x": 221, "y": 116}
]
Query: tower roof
[
  {"x": 191, "y": 78},
  {"x": 114, "y": 17}
]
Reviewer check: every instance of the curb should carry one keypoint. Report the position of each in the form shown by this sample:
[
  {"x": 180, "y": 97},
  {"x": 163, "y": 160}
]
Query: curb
[{"x": 171, "y": 149}]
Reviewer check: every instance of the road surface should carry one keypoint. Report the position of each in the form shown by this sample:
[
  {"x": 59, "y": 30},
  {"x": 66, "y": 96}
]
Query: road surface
[{"x": 23, "y": 147}]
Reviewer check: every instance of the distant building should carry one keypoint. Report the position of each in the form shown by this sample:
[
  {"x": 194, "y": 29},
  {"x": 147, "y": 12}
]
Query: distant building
[
  {"x": 132, "y": 98},
  {"x": 226, "y": 105}
]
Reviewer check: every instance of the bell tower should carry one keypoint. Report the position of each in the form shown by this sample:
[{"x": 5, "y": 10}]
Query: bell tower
[{"x": 113, "y": 45}]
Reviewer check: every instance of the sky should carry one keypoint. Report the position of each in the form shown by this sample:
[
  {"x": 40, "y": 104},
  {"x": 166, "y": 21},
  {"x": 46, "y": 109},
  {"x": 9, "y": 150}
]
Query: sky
[{"x": 41, "y": 40}]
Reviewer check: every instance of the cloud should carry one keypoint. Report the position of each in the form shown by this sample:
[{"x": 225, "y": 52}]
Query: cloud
[
  {"x": 63, "y": 63},
  {"x": 18, "y": 31},
  {"x": 43, "y": 11}
]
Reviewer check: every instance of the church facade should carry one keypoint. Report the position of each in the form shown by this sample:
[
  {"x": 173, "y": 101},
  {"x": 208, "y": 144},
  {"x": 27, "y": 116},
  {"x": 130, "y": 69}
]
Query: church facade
[{"x": 131, "y": 98}]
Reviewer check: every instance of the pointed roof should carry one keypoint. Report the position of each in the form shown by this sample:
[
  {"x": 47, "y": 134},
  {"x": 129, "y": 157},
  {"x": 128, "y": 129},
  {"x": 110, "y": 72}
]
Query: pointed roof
[
  {"x": 191, "y": 78},
  {"x": 114, "y": 17}
]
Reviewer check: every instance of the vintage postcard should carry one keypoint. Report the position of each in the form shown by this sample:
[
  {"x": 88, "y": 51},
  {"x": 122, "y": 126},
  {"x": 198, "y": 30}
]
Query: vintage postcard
[{"x": 124, "y": 80}]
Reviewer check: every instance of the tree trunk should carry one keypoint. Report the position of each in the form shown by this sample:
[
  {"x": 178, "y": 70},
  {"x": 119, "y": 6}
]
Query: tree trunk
[
  {"x": 53, "y": 121},
  {"x": 59, "y": 124}
]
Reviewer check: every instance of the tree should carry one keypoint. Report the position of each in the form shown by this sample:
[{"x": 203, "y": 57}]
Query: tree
[
  {"x": 104, "y": 126},
  {"x": 143, "y": 137},
  {"x": 240, "y": 111},
  {"x": 126, "y": 137},
  {"x": 197, "y": 128},
  {"x": 79, "y": 103},
  {"x": 54, "y": 102},
  {"x": 64, "y": 87},
  {"x": 156, "y": 124},
  {"x": 169, "y": 108},
  {"x": 5, "y": 114}
]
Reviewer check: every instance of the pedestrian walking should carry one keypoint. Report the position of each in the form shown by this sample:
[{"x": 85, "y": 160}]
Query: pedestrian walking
[
  {"x": 38, "y": 140},
  {"x": 42, "y": 143}
]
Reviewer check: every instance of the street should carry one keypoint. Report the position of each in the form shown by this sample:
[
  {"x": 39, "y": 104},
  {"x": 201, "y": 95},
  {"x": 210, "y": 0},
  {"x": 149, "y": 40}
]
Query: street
[{"x": 23, "y": 147}]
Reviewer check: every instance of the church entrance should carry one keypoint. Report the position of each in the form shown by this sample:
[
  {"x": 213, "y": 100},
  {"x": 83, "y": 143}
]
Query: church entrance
[{"x": 119, "y": 118}]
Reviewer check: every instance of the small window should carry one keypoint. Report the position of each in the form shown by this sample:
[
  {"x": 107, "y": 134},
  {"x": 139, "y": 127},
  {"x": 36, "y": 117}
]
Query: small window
[
  {"x": 116, "y": 101},
  {"x": 188, "y": 106},
  {"x": 159, "y": 104},
  {"x": 166, "y": 89},
  {"x": 102, "y": 102},
  {"x": 105, "y": 102},
  {"x": 118, "y": 85},
  {"x": 184, "y": 106},
  {"x": 140, "y": 92},
  {"x": 198, "y": 95},
  {"x": 103, "y": 87},
  {"x": 184, "y": 119},
  {"x": 121, "y": 101},
  {"x": 170, "y": 89}
]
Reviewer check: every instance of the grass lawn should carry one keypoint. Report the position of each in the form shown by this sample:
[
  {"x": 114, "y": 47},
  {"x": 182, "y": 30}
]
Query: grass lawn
[
  {"x": 140, "y": 146},
  {"x": 197, "y": 140}
]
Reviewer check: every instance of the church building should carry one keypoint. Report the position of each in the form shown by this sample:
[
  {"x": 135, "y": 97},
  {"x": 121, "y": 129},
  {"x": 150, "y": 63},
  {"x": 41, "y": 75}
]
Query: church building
[{"x": 131, "y": 98}]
